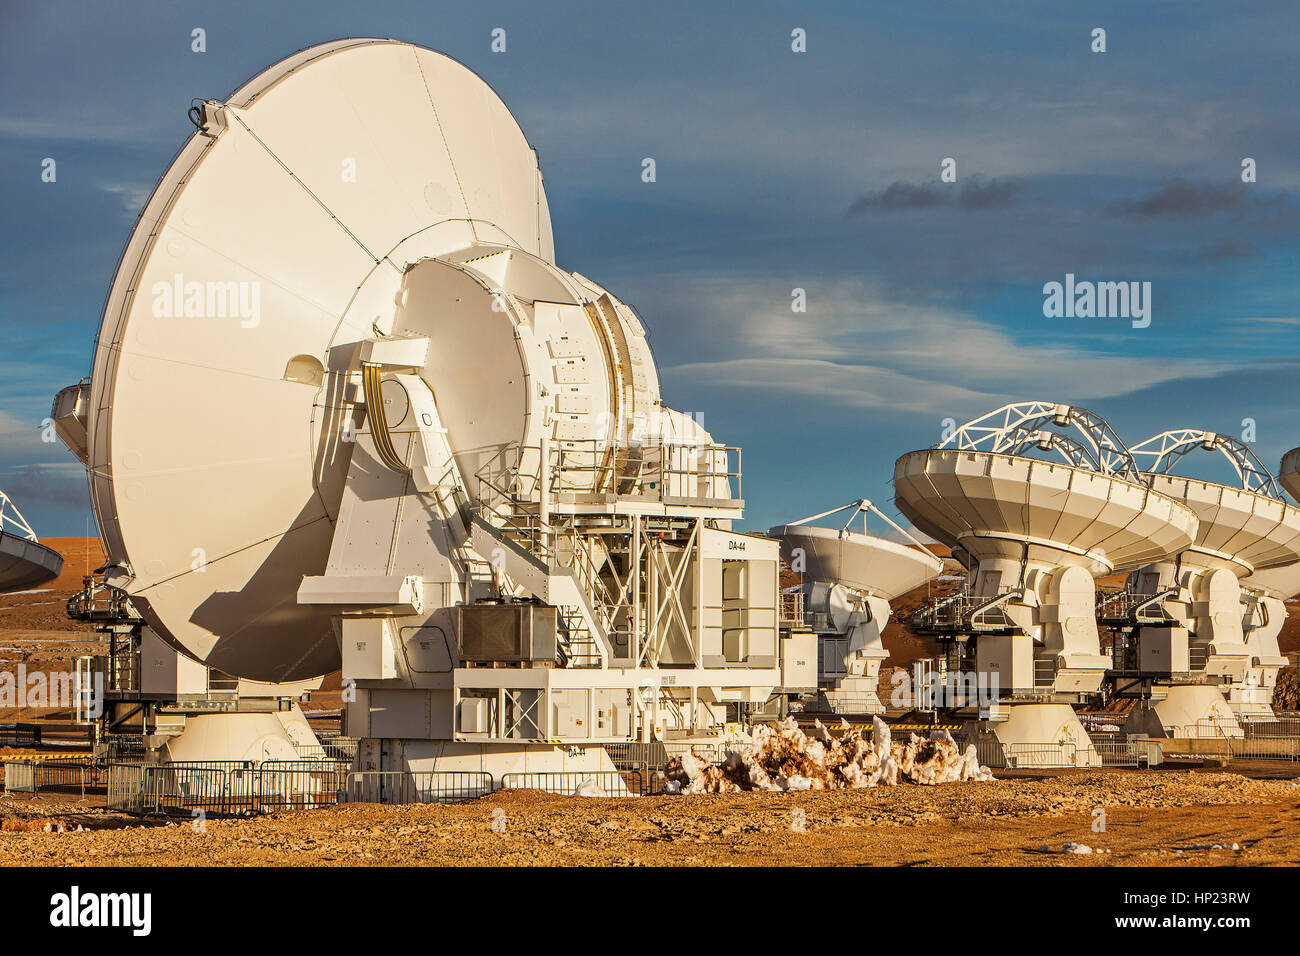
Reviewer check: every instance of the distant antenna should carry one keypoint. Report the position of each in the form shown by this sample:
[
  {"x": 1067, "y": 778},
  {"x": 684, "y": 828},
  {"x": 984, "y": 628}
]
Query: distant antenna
[
  {"x": 1038, "y": 533},
  {"x": 12, "y": 520},
  {"x": 24, "y": 561}
]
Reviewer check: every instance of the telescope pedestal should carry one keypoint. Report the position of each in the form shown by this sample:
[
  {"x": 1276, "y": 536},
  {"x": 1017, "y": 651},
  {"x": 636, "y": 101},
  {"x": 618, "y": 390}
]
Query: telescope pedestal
[
  {"x": 255, "y": 736},
  {"x": 1186, "y": 711},
  {"x": 1042, "y": 734}
]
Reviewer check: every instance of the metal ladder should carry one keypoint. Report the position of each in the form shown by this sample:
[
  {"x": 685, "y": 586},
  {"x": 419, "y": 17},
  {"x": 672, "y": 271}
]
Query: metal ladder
[{"x": 577, "y": 646}]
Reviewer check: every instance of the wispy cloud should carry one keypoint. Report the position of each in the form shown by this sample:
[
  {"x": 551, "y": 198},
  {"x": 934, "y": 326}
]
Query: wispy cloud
[
  {"x": 133, "y": 195},
  {"x": 66, "y": 130},
  {"x": 18, "y": 436},
  {"x": 858, "y": 349}
]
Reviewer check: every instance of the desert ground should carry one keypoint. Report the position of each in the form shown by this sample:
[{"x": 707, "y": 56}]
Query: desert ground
[
  {"x": 1151, "y": 819},
  {"x": 1173, "y": 817}
]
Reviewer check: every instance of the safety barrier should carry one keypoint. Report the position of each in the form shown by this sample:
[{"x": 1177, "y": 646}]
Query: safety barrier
[
  {"x": 32, "y": 776},
  {"x": 993, "y": 753},
  {"x": 1276, "y": 739},
  {"x": 1127, "y": 750},
  {"x": 404, "y": 786},
  {"x": 623, "y": 783},
  {"x": 125, "y": 791},
  {"x": 20, "y": 776},
  {"x": 715, "y": 752},
  {"x": 224, "y": 787},
  {"x": 339, "y": 748},
  {"x": 649, "y": 759},
  {"x": 69, "y": 776},
  {"x": 635, "y": 755}
]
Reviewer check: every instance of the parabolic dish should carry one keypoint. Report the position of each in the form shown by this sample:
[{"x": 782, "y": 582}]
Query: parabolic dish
[
  {"x": 1002, "y": 505},
  {"x": 213, "y": 442},
  {"x": 1283, "y": 582},
  {"x": 875, "y": 565},
  {"x": 1240, "y": 530},
  {"x": 26, "y": 564}
]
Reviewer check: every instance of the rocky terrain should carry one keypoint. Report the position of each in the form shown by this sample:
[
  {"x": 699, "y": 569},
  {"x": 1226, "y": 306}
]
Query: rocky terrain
[{"x": 1151, "y": 819}]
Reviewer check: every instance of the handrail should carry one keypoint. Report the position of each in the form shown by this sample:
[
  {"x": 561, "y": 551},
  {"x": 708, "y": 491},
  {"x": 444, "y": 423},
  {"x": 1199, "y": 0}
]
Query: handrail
[
  {"x": 963, "y": 610},
  {"x": 653, "y": 463}
]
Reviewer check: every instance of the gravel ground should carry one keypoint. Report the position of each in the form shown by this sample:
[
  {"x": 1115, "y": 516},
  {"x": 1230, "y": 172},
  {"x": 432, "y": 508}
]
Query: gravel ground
[{"x": 1152, "y": 818}]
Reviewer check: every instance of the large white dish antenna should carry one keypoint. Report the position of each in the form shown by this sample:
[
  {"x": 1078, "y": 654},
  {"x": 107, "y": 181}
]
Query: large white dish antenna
[
  {"x": 1243, "y": 529},
  {"x": 1283, "y": 582},
  {"x": 979, "y": 491},
  {"x": 282, "y": 229}
]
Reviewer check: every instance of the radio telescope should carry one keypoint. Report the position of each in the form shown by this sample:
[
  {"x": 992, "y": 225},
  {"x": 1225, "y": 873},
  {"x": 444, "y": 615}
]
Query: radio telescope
[
  {"x": 848, "y": 580},
  {"x": 1043, "y": 498},
  {"x": 1276, "y": 585},
  {"x": 24, "y": 562},
  {"x": 428, "y": 454},
  {"x": 1185, "y": 613}
]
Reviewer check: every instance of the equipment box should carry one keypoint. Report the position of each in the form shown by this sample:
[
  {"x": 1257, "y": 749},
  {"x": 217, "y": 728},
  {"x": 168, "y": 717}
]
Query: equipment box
[{"x": 506, "y": 633}]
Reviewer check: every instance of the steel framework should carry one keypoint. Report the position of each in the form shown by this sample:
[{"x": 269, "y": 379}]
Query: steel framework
[
  {"x": 12, "y": 520},
  {"x": 1166, "y": 449},
  {"x": 1020, "y": 427}
]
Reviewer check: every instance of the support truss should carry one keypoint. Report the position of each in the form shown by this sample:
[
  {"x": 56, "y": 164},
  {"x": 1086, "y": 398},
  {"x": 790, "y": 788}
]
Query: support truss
[
  {"x": 1160, "y": 453},
  {"x": 1022, "y": 427},
  {"x": 12, "y": 520}
]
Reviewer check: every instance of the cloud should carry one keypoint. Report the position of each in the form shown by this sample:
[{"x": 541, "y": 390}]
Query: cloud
[
  {"x": 1284, "y": 326},
  {"x": 133, "y": 195},
  {"x": 64, "y": 130},
  {"x": 831, "y": 383},
  {"x": 971, "y": 195},
  {"x": 19, "y": 436},
  {"x": 58, "y": 486},
  {"x": 1227, "y": 249},
  {"x": 858, "y": 349},
  {"x": 1180, "y": 199}
]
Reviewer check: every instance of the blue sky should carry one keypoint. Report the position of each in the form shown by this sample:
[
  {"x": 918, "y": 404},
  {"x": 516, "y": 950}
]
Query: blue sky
[{"x": 775, "y": 171}]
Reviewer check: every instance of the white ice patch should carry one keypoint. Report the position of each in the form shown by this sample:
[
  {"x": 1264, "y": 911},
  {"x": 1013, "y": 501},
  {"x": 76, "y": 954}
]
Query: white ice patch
[
  {"x": 1078, "y": 849},
  {"x": 784, "y": 758}
]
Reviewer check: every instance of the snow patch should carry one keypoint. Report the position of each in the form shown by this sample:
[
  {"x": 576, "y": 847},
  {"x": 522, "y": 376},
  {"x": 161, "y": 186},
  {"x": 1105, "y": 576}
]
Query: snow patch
[
  {"x": 784, "y": 758},
  {"x": 589, "y": 788}
]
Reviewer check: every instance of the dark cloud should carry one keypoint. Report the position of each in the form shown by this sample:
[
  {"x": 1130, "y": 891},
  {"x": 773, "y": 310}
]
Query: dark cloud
[
  {"x": 34, "y": 486},
  {"x": 971, "y": 195},
  {"x": 1226, "y": 250},
  {"x": 1179, "y": 199}
]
